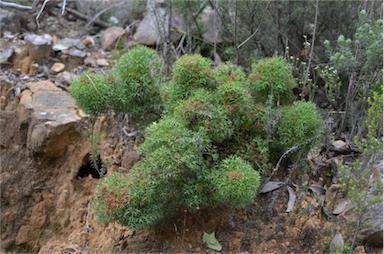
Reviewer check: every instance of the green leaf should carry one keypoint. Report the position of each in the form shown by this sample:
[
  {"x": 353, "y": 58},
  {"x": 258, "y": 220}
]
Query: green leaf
[{"x": 211, "y": 241}]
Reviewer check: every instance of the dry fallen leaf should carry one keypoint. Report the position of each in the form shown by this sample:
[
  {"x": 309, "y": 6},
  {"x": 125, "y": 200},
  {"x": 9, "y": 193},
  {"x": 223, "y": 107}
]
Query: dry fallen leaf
[
  {"x": 292, "y": 199},
  {"x": 271, "y": 186}
]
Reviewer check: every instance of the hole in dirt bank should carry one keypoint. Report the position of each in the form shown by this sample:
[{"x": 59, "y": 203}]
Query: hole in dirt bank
[{"x": 88, "y": 168}]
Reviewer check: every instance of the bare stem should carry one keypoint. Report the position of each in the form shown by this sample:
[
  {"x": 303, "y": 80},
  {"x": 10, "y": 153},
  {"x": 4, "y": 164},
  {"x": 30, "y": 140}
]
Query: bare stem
[
  {"x": 16, "y": 6},
  {"x": 306, "y": 73}
]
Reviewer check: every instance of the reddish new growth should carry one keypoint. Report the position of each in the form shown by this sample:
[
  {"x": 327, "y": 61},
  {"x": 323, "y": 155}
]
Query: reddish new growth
[
  {"x": 193, "y": 105},
  {"x": 114, "y": 200},
  {"x": 232, "y": 108},
  {"x": 84, "y": 81},
  {"x": 235, "y": 175}
]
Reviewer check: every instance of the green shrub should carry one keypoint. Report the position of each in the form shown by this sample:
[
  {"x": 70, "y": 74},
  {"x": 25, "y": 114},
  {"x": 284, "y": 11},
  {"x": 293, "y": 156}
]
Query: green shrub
[
  {"x": 272, "y": 76},
  {"x": 300, "y": 125},
  {"x": 139, "y": 72},
  {"x": 92, "y": 93},
  {"x": 168, "y": 177},
  {"x": 193, "y": 71},
  {"x": 238, "y": 103},
  {"x": 190, "y": 72},
  {"x": 235, "y": 182},
  {"x": 201, "y": 111},
  {"x": 207, "y": 149},
  {"x": 174, "y": 135},
  {"x": 172, "y": 95},
  {"x": 228, "y": 73},
  {"x": 111, "y": 197}
]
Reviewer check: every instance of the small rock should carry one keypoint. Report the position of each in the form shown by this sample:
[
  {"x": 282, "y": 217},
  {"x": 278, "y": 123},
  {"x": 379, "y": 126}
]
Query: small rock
[
  {"x": 110, "y": 36},
  {"x": 57, "y": 67},
  {"x": 76, "y": 58},
  {"x": 337, "y": 244},
  {"x": 339, "y": 144},
  {"x": 54, "y": 118},
  {"x": 331, "y": 196},
  {"x": 88, "y": 41},
  {"x": 39, "y": 47},
  {"x": 102, "y": 62},
  {"x": 359, "y": 250},
  {"x": 68, "y": 43},
  {"x": 66, "y": 77},
  {"x": 372, "y": 226},
  {"x": 90, "y": 61},
  {"x": 5, "y": 54},
  {"x": 341, "y": 206}
]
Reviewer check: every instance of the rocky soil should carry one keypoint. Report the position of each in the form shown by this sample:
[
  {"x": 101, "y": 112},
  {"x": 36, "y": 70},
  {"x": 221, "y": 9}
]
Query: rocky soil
[{"x": 47, "y": 181}]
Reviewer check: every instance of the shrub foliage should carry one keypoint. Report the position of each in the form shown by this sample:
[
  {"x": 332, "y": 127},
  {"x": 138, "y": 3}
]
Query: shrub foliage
[
  {"x": 272, "y": 76},
  {"x": 210, "y": 145},
  {"x": 132, "y": 88}
]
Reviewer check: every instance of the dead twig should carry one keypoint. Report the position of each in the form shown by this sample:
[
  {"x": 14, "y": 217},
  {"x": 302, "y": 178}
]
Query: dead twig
[
  {"x": 306, "y": 74},
  {"x": 41, "y": 11},
  {"x": 257, "y": 29},
  {"x": 89, "y": 229},
  {"x": 103, "y": 11},
  {"x": 49, "y": 187},
  {"x": 16, "y": 6},
  {"x": 290, "y": 150},
  {"x": 84, "y": 17}
]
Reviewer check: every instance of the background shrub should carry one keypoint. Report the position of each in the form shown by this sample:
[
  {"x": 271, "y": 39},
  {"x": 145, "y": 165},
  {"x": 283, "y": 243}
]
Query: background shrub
[
  {"x": 300, "y": 124},
  {"x": 139, "y": 74},
  {"x": 92, "y": 93},
  {"x": 272, "y": 76}
]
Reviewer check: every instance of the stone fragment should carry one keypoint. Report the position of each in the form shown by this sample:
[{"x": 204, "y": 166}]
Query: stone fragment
[
  {"x": 331, "y": 196},
  {"x": 111, "y": 36},
  {"x": 90, "y": 61},
  {"x": 39, "y": 47},
  {"x": 337, "y": 244},
  {"x": 67, "y": 43},
  {"x": 57, "y": 67},
  {"x": 88, "y": 41},
  {"x": 66, "y": 77},
  {"x": 102, "y": 62},
  {"x": 53, "y": 118},
  {"x": 5, "y": 54},
  {"x": 359, "y": 250},
  {"x": 339, "y": 144},
  {"x": 76, "y": 58},
  {"x": 340, "y": 206}
]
